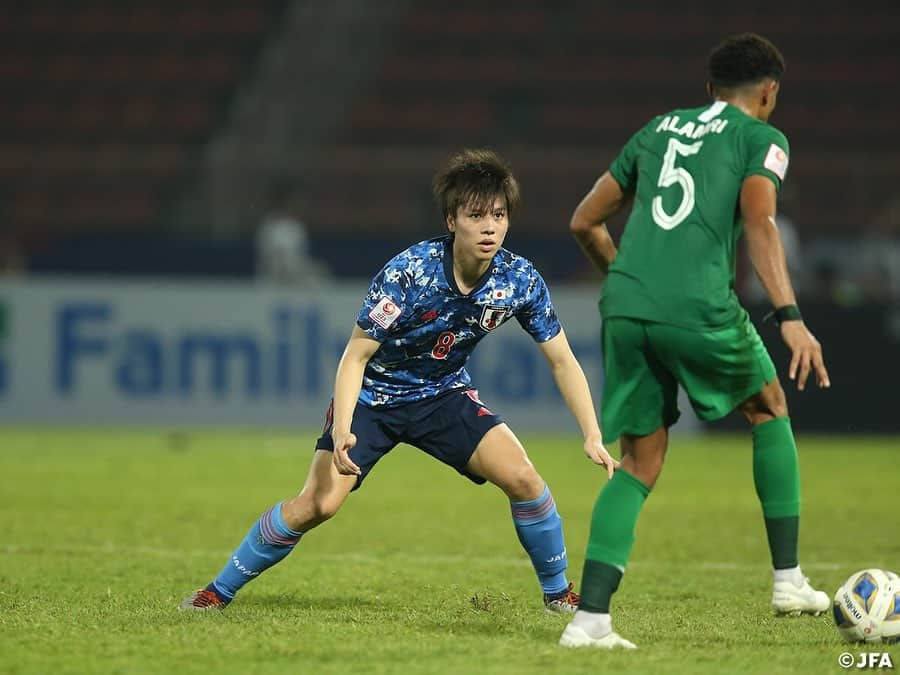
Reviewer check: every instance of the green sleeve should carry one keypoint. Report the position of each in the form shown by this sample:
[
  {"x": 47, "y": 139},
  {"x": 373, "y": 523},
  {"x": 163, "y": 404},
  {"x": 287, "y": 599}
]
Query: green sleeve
[
  {"x": 768, "y": 154},
  {"x": 625, "y": 167}
]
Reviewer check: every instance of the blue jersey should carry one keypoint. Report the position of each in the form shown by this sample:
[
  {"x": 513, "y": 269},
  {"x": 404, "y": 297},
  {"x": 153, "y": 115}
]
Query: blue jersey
[{"x": 428, "y": 328}]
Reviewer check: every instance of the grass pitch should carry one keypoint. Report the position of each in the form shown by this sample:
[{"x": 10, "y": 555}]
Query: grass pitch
[{"x": 102, "y": 533}]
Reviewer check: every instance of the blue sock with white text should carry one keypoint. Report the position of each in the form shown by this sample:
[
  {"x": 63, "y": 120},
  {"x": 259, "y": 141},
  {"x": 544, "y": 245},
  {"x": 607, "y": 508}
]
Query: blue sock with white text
[
  {"x": 540, "y": 530},
  {"x": 268, "y": 542}
]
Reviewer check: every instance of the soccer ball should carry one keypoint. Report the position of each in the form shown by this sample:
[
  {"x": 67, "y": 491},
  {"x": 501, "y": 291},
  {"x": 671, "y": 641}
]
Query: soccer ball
[{"x": 867, "y": 607}]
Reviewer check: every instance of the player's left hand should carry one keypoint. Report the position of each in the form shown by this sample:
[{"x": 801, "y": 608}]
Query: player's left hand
[
  {"x": 806, "y": 354},
  {"x": 593, "y": 448},
  {"x": 340, "y": 456}
]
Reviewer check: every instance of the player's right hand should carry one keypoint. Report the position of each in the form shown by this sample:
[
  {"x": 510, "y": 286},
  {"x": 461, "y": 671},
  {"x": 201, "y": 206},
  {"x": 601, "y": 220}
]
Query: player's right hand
[
  {"x": 343, "y": 444},
  {"x": 806, "y": 354},
  {"x": 593, "y": 448}
]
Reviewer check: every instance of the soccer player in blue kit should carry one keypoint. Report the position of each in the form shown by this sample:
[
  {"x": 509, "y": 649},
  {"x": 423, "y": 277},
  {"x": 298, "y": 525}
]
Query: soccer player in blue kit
[{"x": 402, "y": 379}]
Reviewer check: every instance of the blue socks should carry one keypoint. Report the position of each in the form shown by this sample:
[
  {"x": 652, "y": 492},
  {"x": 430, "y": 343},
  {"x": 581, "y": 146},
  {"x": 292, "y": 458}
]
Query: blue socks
[
  {"x": 268, "y": 542},
  {"x": 540, "y": 530}
]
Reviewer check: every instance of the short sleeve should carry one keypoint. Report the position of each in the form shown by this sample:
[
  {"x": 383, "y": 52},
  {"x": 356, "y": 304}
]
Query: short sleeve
[
  {"x": 385, "y": 302},
  {"x": 537, "y": 315},
  {"x": 624, "y": 167},
  {"x": 768, "y": 154}
]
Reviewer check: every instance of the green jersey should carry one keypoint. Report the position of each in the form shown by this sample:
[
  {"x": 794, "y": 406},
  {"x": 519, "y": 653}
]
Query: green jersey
[{"x": 676, "y": 259}]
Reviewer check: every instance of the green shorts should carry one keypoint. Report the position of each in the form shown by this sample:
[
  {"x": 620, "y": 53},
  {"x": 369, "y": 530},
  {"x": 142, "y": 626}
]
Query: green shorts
[{"x": 644, "y": 363}]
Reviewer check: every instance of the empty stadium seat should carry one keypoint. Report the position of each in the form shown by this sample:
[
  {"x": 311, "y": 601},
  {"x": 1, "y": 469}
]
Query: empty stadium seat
[
  {"x": 105, "y": 102},
  {"x": 575, "y": 79}
]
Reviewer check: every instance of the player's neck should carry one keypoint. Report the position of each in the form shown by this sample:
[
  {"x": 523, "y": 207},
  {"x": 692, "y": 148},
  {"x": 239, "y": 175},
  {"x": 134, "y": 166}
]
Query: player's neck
[
  {"x": 467, "y": 271},
  {"x": 742, "y": 104}
]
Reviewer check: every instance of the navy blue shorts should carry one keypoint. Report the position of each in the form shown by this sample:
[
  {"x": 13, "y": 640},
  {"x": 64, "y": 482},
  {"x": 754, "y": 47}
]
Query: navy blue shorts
[{"x": 448, "y": 427}]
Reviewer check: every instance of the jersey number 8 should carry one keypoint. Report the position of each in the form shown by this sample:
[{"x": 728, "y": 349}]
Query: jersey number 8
[
  {"x": 444, "y": 343},
  {"x": 670, "y": 175}
]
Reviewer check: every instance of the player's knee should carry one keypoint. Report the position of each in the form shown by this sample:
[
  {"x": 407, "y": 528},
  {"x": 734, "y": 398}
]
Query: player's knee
[
  {"x": 646, "y": 470},
  {"x": 766, "y": 405},
  {"x": 324, "y": 507},
  {"x": 322, "y": 512},
  {"x": 779, "y": 408},
  {"x": 308, "y": 510},
  {"x": 779, "y": 404},
  {"x": 523, "y": 484},
  {"x": 754, "y": 415}
]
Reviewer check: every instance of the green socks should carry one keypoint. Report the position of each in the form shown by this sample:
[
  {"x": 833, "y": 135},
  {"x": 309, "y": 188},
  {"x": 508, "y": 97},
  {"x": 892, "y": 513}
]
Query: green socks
[
  {"x": 598, "y": 582},
  {"x": 612, "y": 536},
  {"x": 776, "y": 475}
]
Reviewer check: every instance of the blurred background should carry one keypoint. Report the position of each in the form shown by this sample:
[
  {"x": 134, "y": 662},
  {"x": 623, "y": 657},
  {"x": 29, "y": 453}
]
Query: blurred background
[{"x": 194, "y": 195}]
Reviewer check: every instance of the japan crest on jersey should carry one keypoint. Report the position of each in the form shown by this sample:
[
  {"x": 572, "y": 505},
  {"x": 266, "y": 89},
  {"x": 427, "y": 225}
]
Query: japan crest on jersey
[{"x": 492, "y": 316}]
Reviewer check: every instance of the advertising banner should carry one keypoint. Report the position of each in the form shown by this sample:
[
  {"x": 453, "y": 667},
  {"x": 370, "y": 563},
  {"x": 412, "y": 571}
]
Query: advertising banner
[{"x": 165, "y": 353}]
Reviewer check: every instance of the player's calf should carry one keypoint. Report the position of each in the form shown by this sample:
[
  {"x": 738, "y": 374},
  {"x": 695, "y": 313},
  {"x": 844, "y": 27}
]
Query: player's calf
[{"x": 267, "y": 543}]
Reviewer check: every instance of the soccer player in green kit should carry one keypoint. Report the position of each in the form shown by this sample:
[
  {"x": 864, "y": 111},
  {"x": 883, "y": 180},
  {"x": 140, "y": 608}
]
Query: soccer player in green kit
[{"x": 696, "y": 179}]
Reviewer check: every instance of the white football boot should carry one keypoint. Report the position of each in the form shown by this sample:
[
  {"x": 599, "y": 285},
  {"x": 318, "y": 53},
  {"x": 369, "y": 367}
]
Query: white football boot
[
  {"x": 575, "y": 636},
  {"x": 796, "y": 600}
]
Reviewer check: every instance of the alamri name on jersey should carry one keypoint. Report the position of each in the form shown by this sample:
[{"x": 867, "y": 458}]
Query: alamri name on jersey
[{"x": 691, "y": 129}]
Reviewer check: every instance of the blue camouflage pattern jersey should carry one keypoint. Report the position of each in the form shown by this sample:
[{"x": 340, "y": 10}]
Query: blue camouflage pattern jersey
[{"x": 428, "y": 328}]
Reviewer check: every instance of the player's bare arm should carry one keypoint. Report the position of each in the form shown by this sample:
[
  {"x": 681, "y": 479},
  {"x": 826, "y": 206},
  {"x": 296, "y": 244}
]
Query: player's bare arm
[
  {"x": 574, "y": 388},
  {"x": 588, "y": 224},
  {"x": 347, "y": 385},
  {"x": 758, "y": 203}
]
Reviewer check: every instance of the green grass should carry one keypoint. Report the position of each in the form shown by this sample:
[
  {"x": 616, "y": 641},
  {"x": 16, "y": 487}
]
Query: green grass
[{"x": 102, "y": 533}]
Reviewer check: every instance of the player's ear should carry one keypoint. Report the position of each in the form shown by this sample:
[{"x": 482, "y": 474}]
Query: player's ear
[
  {"x": 768, "y": 91},
  {"x": 710, "y": 90},
  {"x": 451, "y": 222}
]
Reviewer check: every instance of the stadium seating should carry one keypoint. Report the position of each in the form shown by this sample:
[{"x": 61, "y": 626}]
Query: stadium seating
[
  {"x": 106, "y": 103},
  {"x": 570, "y": 81},
  {"x": 107, "y": 107}
]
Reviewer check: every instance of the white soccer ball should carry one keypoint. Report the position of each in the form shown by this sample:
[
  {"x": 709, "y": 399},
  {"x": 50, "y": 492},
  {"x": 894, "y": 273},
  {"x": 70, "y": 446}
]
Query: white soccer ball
[{"x": 867, "y": 607}]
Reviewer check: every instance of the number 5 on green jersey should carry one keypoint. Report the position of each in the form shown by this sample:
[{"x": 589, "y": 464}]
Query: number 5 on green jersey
[{"x": 669, "y": 175}]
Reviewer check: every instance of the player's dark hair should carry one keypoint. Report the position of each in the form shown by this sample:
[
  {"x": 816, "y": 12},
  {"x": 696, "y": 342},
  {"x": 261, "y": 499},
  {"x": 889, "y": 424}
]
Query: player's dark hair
[
  {"x": 743, "y": 59},
  {"x": 474, "y": 177}
]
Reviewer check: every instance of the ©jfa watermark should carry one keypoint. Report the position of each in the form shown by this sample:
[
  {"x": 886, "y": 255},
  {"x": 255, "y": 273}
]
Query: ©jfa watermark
[{"x": 866, "y": 660}]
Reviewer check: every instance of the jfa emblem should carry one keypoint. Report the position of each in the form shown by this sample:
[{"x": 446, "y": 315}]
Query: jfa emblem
[{"x": 492, "y": 316}]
